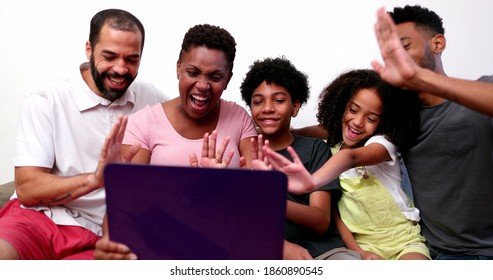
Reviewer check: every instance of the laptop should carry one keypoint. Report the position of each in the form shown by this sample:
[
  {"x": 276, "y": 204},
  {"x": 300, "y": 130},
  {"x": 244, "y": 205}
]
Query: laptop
[{"x": 186, "y": 213}]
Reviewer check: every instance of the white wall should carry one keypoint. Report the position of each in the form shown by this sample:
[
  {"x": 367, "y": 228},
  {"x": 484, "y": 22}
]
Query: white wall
[{"x": 41, "y": 40}]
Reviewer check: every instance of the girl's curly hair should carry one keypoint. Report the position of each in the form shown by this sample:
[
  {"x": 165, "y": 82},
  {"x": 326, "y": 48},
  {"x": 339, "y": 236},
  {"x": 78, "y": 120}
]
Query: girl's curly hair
[{"x": 400, "y": 114}]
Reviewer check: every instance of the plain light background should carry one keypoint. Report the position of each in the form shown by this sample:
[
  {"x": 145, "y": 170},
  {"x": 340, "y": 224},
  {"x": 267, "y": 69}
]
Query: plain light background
[{"x": 42, "y": 40}]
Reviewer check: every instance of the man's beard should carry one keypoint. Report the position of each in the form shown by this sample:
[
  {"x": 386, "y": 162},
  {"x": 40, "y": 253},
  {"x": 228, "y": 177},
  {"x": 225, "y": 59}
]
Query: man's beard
[
  {"x": 428, "y": 60},
  {"x": 110, "y": 94}
]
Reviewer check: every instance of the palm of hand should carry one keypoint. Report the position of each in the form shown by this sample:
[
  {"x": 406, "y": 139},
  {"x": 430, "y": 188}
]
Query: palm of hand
[
  {"x": 259, "y": 164},
  {"x": 111, "y": 150},
  {"x": 114, "y": 153},
  {"x": 213, "y": 163},
  {"x": 298, "y": 178},
  {"x": 399, "y": 66}
]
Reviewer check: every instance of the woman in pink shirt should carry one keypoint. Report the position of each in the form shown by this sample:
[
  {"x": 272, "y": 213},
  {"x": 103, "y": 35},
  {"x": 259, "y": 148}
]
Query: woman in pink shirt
[
  {"x": 173, "y": 132},
  {"x": 167, "y": 133}
]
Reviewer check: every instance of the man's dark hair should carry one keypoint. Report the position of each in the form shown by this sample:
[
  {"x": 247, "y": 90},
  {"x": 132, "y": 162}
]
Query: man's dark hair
[
  {"x": 116, "y": 19},
  {"x": 424, "y": 18}
]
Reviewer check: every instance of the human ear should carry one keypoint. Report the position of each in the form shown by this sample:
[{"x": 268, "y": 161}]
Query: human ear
[
  {"x": 438, "y": 43},
  {"x": 178, "y": 64},
  {"x": 230, "y": 75},
  {"x": 88, "y": 50},
  {"x": 296, "y": 108}
]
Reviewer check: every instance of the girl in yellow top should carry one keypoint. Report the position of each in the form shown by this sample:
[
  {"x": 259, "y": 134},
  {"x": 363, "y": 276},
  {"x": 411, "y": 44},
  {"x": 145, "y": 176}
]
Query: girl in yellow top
[{"x": 366, "y": 120}]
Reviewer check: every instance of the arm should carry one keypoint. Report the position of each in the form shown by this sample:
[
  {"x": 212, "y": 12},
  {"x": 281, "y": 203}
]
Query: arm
[
  {"x": 349, "y": 241},
  {"x": 37, "y": 186},
  {"x": 315, "y": 131},
  {"x": 401, "y": 70},
  {"x": 315, "y": 216},
  {"x": 143, "y": 156},
  {"x": 106, "y": 249},
  {"x": 300, "y": 180},
  {"x": 348, "y": 158},
  {"x": 475, "y": 95}
]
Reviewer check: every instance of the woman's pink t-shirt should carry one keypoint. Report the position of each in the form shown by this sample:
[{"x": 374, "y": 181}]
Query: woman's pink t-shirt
[{"x": 151, "y": 129}]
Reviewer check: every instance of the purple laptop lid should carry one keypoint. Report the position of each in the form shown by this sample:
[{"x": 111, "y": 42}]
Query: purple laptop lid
[{"x": 185, "y": 213}]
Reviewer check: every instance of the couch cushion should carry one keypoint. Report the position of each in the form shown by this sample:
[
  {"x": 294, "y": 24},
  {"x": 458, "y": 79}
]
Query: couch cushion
[{"x": 6, "y": 191}]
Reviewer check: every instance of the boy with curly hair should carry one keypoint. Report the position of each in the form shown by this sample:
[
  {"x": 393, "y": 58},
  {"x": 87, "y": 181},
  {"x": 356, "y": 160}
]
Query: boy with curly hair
[{"x": 274, "y": 90}]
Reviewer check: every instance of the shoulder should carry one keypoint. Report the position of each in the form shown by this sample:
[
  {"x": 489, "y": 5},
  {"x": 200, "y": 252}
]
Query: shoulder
[
  {"x": 149, "y": 116},
  {"x": 67, "y": 87},
  {"x": 231, "y": 106},
  {"x": 148, "y": 109},
  {"x": 58, "y": 91},
  {"x": 378, "y": 139},
  {"x": 486, "y": 78},
  {"x": 310, "y": 147},
  {"x": 230, "y": 109},
  {"x": 309, "y": 141}
]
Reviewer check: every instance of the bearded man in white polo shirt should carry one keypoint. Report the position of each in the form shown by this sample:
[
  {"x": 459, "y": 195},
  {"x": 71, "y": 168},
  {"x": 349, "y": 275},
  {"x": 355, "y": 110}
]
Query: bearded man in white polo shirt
[{"x": 58, "y": 207}]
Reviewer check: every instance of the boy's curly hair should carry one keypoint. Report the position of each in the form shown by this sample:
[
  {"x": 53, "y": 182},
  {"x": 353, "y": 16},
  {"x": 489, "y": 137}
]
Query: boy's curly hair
[
  {"x": 400, "y": 115},
  {"x": 279, "y": 71},
  {"x": 422, "y": 17},
  {"x": 212, "y": 37}
]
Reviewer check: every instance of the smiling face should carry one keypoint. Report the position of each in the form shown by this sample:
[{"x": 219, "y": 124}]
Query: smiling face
[
  {"x": 203, "y": 75},
  {"x": 362, "y": 118},
  {"x": 272, "y": 110},
  {"x": 114, "y": 61}
]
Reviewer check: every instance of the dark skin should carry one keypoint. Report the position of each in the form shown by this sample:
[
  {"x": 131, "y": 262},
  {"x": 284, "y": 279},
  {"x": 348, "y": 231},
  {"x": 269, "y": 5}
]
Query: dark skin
[
  {"x": 202, "y": 74},
  {"x": 272, "y": 110},
  {"x": 36, "y": 185},
  {"x": 402, "y": 69}
]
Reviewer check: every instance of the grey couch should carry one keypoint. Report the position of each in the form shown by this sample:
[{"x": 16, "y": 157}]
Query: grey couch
[{"x": 6, "y": 191}]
